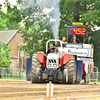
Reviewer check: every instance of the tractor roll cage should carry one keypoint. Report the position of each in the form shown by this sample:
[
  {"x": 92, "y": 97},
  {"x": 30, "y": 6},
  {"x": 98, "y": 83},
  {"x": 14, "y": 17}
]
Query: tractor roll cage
[{"x": 54, "y": 40}]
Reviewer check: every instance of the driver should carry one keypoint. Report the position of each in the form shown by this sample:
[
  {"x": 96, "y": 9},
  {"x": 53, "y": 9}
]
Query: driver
[
  {"x": 51, "y": 49},
  {"x": 75, "y": 40},
  {"x": 64, "y": 41}
]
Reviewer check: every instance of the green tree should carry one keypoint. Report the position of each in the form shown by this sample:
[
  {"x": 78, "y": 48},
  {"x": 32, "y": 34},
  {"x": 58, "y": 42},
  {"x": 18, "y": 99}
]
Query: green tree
[
  {"x": 12, "y": 18},
  {"x": 96, "y": 42},
  {"x": 4, "y": 55},
  {"x": 3, "y": 25},
  {"x": 36, "y": 38},
  {"x": 2, "y": 21},
  {"x": 37, "y": 29}
]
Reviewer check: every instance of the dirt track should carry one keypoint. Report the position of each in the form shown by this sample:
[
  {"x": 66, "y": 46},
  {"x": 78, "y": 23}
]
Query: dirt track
[{"x": 24, "y": 90}]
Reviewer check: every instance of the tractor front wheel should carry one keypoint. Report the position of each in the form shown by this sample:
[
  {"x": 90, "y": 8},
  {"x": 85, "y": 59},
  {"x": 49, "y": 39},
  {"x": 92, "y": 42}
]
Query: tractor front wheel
[
  {"x": 71, "y": 66},
  {"x": 35, "y": 69}
]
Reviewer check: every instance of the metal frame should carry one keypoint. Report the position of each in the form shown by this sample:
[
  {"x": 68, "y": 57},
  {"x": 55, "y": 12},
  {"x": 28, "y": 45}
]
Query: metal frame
[
  {"x": 74, "y": 44},
  {"x": 95, "y": 73},
  {"x": 76, "y": 34},
  {"x": 54, "y": 40}
]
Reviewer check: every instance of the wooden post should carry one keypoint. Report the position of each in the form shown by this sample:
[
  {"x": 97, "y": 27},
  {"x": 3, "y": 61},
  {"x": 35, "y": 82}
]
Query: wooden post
[{"x": 49, "y": 90}]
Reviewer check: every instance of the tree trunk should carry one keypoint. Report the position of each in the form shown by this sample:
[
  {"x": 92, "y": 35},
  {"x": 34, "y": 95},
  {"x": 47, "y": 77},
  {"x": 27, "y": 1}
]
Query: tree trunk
[
  {"x": 76, "y": 17},
  {"x": 0, "y": 75},
  {"x": 85, "y": 8}
]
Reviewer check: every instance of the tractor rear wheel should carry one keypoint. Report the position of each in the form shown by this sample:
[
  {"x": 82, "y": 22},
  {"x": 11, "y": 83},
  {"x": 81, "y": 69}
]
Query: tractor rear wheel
[
  {"x": 35, "y": 65},
  {"x": 71, "y": 66}
]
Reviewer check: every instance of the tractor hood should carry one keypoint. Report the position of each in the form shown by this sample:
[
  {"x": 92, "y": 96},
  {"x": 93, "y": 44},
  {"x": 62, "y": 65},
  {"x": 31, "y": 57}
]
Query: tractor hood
[{"x": 52, "y": 60}]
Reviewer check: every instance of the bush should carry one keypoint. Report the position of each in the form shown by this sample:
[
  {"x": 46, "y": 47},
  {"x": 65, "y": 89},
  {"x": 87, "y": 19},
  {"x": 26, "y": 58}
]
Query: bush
[{"x": 4, "y": 55}]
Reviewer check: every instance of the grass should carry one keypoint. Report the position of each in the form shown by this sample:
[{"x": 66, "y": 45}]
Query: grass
[
  {"x": 94, "y": 83},
  {"x": 12, "y": 79}
]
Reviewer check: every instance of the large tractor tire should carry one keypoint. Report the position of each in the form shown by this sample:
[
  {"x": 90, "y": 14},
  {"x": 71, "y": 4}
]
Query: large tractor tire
[
  {"x": 71, "y": 66},
  {"x": 35, "y": 69}
]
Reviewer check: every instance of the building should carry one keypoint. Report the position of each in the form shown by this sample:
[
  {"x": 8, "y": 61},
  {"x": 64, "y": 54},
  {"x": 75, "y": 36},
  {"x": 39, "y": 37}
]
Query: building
[{"x": 13, "y": 37}]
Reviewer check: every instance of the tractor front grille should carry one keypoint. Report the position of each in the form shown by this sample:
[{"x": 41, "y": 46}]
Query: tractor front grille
[{"x": 51, "y": 72}]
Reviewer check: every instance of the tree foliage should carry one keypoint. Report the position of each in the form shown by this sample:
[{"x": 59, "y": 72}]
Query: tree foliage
[
  {"x": 36, "y": 38},
  {"x": 3, "y": 25},
  {"x": 37, "y": 28},
  {"x": 4, "y": 55},
  {"x": 11, "y": 19},
  {"x": 96, "y": 42}
]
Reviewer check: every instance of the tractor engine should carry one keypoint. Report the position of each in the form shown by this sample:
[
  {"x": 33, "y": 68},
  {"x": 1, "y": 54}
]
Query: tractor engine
[{"x": 52, "y": 61}]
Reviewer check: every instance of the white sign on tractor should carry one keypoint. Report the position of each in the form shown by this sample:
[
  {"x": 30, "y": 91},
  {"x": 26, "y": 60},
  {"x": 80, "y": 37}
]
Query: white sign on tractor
[{"x": 77, "y": 51}]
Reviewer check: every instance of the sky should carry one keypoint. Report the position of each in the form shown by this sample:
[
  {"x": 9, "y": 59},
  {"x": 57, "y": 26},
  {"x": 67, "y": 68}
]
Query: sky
[{"x": 12, "y": 2}]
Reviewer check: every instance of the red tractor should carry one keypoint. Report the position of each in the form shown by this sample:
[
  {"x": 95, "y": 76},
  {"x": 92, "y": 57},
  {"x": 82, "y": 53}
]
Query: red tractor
[{"x": 57, "y": 66}]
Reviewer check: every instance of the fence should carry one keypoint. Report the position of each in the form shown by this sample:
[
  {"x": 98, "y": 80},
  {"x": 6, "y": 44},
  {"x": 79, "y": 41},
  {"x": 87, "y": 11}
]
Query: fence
[
  {"x": 18, "y": 73},
  {"x": 95, "y": 75},
  {"x": 15, "y": 73}
]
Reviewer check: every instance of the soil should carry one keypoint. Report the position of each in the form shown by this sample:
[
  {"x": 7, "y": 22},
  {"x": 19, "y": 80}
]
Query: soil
[{"x": 24, "y": 90}]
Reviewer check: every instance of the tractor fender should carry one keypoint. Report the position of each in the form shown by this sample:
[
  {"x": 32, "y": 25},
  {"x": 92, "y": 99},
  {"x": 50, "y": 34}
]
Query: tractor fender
[
  {"x": 65, "y": 58},
  {"x": 41, "y": 57}
]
